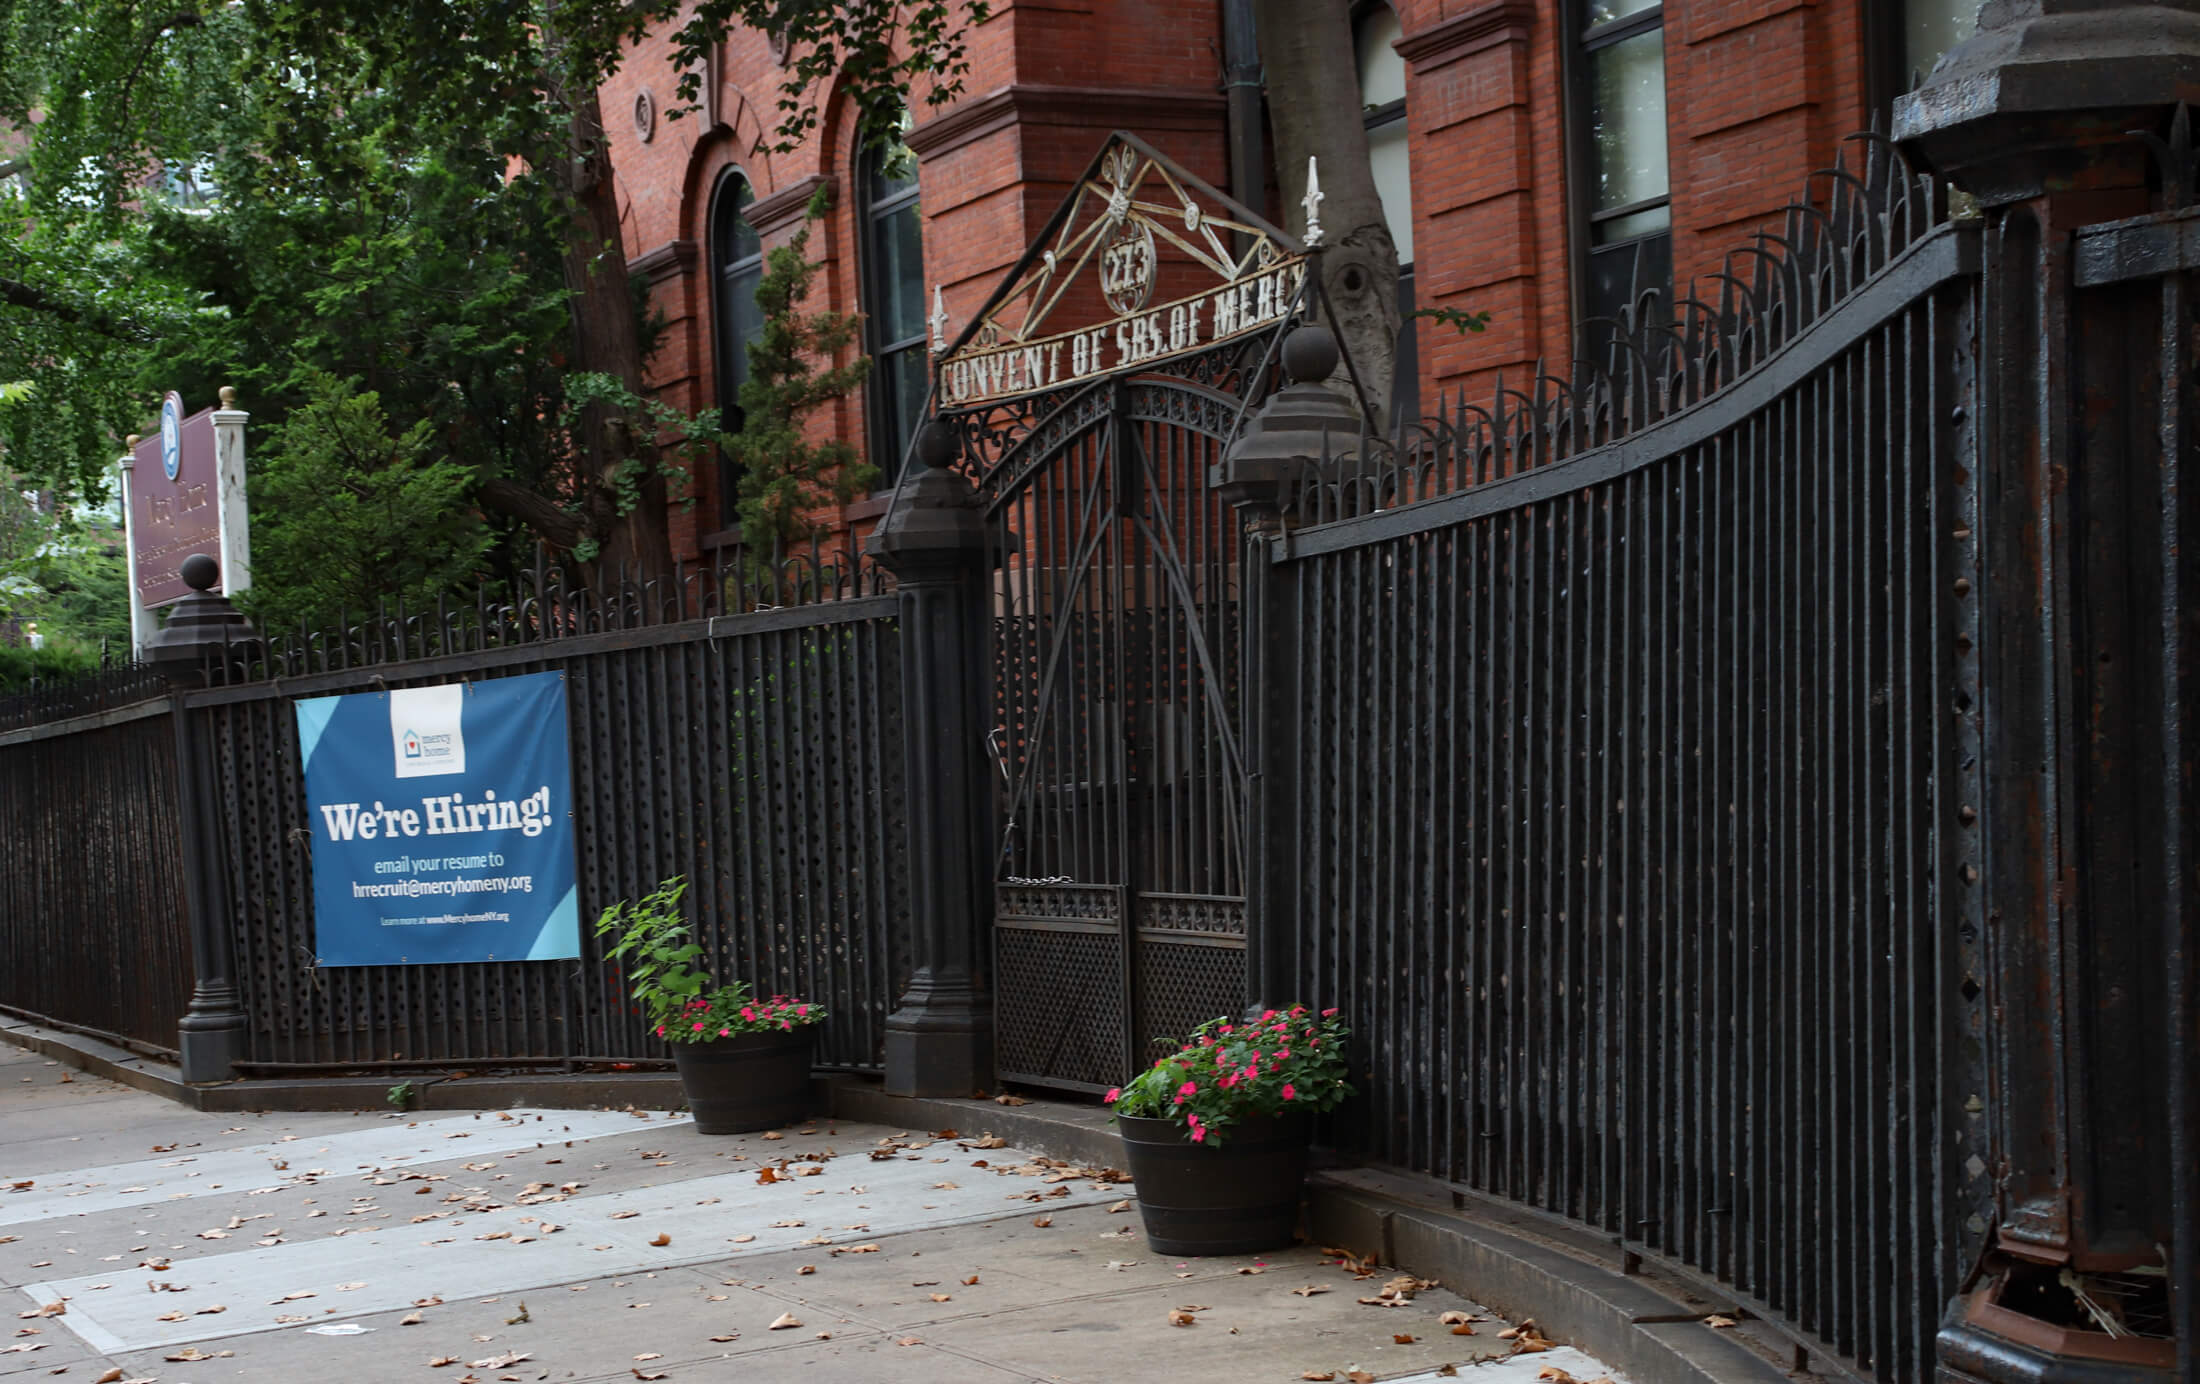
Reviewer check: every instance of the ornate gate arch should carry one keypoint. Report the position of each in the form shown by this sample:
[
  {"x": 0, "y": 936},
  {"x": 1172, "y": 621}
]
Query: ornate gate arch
[{"x": 1114, "y": 608}]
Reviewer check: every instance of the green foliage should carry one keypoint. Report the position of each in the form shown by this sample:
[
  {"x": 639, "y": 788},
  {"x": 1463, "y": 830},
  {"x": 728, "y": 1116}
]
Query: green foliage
[
  {"x": 350, "y": 511},
  {"x": 785, "y": 474},
  {"x": 1284, "y": 1061},
  {"x": 1458, "y": 319},
  {"x": 61, "y": 660},
  {"x": 401, "y": 1095},
  {"x": 676, "y": 995}
]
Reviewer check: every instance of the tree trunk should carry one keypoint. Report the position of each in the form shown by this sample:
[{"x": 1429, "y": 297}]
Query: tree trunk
[
  {"x": 1314, "y": 111},
  {"x": 607, "y": 340}
]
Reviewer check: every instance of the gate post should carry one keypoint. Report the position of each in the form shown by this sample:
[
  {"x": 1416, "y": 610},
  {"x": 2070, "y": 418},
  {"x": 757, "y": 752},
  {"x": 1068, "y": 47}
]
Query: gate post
[
  {"x": 2086, "y": 824},
  {"x": 1293, "y": 432},
  {"x": 939, "y": 1041},
  {"x": 211, "y": 1035}
]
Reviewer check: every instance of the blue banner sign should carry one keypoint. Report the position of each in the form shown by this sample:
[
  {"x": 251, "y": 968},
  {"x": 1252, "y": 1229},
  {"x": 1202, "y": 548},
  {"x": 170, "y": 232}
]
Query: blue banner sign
[{"x": 442, "y": 823}]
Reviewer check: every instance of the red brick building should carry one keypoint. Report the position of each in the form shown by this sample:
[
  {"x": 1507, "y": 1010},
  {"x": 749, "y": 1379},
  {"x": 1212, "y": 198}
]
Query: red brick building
[{"x": 1530, "y": 152}]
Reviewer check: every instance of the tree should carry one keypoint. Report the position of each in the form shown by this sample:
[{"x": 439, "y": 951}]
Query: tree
[
  {"x": 786, "y": 476},
  {"x": 351, "y": 513},
  {"x": 1314, "y": 112}
]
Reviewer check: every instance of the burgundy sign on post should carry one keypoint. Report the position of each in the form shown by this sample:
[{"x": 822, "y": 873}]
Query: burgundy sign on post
[{"x": 174, "y": 509}]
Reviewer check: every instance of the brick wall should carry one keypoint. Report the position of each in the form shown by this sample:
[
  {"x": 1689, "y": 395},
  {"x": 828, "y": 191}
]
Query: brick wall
[{"x": 1759, "y": 94}]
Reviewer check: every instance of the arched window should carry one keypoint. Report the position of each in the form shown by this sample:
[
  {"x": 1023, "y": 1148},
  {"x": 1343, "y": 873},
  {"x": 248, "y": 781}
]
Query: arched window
[
  {"x": 1383, "y": 100},
  {"x": 736, "y": 267},
  {"x": 892, "y": 228}
]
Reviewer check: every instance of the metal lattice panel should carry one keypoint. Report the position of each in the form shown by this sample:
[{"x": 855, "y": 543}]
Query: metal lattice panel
[
  {"x": 1181, "y": 986},
  {"x": 1060, "y": 1006}
]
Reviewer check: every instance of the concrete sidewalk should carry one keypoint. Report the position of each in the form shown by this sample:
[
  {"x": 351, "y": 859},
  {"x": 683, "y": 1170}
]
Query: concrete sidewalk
[{"x": 617, "y": 1245}]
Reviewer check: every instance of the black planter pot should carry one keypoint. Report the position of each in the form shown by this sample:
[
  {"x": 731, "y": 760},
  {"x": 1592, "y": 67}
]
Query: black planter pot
[
  {"x": 749, "y": 1081},
  {"x": 1234, "y": 1198}
]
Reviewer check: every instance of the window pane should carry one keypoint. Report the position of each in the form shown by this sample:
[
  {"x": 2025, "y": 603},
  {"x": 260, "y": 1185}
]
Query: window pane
[
  {"x": 891, "y": 167},
  {"x": 897, "y": 248},
  {"x": 1595, "y": 12},
  {"x": 1382, "y": 71},
  {"x": 1386, "y": 156},
  {"x": 740, "y": 322},
  {"x": 1932, "y": 27},
  {"x": 901, "y": 386},
  {"x": 731, "y": 236},
  {"x": 1627, "y": 120}
]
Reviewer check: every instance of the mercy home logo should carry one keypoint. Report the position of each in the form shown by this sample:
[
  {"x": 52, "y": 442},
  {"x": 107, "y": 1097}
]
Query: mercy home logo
[{"x": 425, "y": 731}]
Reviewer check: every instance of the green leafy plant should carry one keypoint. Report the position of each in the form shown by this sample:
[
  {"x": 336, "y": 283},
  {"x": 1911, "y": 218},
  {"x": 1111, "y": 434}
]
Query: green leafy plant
[
  {"x": 1286, "y": 1060},
  {"x": 1459, "y": 319},
  {"x": 680, "y": 1000},
  {"x": 786, "y": 473},
  {"x": 401, "y": 1095}
]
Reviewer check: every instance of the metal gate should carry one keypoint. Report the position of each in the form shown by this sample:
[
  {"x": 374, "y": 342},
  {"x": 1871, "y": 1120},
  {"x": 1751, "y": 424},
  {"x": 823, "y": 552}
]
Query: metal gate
[{"x": 1114, "y": 610}]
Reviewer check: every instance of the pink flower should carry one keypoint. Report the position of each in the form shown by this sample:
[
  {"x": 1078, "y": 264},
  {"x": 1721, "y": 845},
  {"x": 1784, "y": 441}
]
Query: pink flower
[
  {"x": 786, "y": 1025},
  {"x": 725, "y": 1033},
  {"x": 1252, "y": 1070},
  {"x": 660, "y": 1030},
  {"x": 1329, "y": 1013},
  {"x": 803, "y": 1010},
  {"x": 1283, "y": 1054},
  {"x": 1188, "y": 1088},
  {"x": 1199, "y": 1134},
  {"x": 1288, "y": 1092},
  {"x": 1114, "y": 1094},
  {"x": 698, "y": 1027},
  {"x": 748, "y": 1013},
  {"x": 1265, "y": 1017}
]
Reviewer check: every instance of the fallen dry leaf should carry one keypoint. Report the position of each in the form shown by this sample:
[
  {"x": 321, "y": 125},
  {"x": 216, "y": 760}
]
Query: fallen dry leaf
[
  {"x": 650, "y": 1355},
  {"x": 743, "y": 1239},
  {"x": 1179, "y": 1317},
  {"x": 943, "y": 1297},
  {"x": 785, "y": 1321},
  {"x": 1718, "y": 1321},
  {"x": 731, "y": 1336},
  {"x": 909, "y": 1341},
  {"x": 1319, "y": 1375},
  {"x": 1554, "y": 1375},
  {"x": 1253, "y": 1269},
  {"x": 1401, "y": 1339},
  {"x": 112, "y": 1376},
  {"x": 1123, "y": 1205},
  {"x": 765, "y": 1177},
  {"x": 806, "y": 1269},
  {"x": 409, "y": 1319},
  {"x": 772, "y": 1134},
  {"x": 1042, "y": 1221},
  {"x": 210, "y": 1311},
  {"x": 971, "y": 1282},
  {"x": 1010, "y": 1100},
  {"x": 1359, "y": 1377},
  {"x": 661, "y": 1239},
  {"x": 639, "y": 1373},
  {"x": 1309, "y": 1290},
  {"x": 439, "y": 1361}
]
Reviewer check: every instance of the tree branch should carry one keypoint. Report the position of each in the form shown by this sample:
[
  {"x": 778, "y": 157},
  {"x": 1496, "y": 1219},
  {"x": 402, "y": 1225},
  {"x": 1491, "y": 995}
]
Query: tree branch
[
  {"x": 15, "y": 293},
  {"x": 555, "y": 524}
]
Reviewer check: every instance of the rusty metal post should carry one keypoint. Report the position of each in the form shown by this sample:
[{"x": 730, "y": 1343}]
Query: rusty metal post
[
  {"x": 939, "y": 1040},
  {"x": 203, "y": 627},
  {"x": 2088, "y": 1269}
]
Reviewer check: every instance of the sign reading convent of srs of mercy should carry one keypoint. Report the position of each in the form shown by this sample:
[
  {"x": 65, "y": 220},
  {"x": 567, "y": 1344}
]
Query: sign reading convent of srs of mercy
[{"x": 1117, "y": 223}]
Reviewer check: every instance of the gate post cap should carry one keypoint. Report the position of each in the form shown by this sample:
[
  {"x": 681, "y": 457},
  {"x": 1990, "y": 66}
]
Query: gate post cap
[
  {"x": 201, "y": 623},
  {"x": 1301, "y": 425},
  {"x": 935, "y": 509},
  {"x": 2042, "y": 97}
]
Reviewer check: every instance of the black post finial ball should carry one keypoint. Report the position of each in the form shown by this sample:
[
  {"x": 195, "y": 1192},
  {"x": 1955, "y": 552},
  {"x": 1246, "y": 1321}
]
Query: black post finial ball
[
  {"x": 1309, "y": 354},
  {"x": 200, "y": 572},
  {"x": 937, "y": 445}
]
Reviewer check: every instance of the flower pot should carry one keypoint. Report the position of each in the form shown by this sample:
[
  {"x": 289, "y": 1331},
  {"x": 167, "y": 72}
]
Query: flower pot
[
  {"x": 748, "y": 1081},
  {"x": 1233, "y": 1198}
]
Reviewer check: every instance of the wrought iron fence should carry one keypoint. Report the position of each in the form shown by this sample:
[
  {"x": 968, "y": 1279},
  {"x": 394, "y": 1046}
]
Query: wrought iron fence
[
  {"x": 1625, "y": 784},
  {"x": 94, "y": 934},
  {"x": 732, "y": 726}
]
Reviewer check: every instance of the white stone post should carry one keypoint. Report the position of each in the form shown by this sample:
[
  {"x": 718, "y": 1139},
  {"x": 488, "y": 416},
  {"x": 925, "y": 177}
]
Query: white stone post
[
  {"x": 141, "y": 619},
  {"x": 229, "y": 498}
]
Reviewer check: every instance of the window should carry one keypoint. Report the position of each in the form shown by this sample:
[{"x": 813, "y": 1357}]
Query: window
[
  {"x": 1909, "y": 36},
  {"x": 736, "y": 268},
  {"x": 1383, "y": 99},
  {"x": 893, "y": 269},
  {"x": 1622, "y": 210}
]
